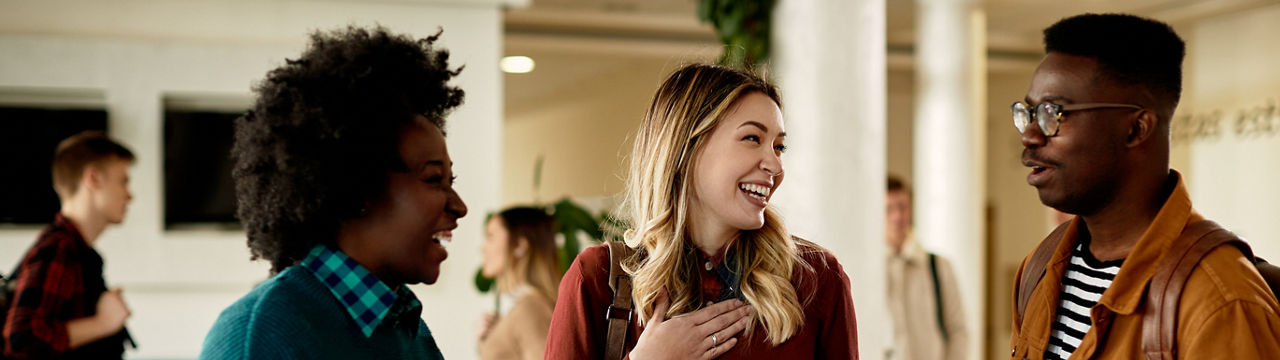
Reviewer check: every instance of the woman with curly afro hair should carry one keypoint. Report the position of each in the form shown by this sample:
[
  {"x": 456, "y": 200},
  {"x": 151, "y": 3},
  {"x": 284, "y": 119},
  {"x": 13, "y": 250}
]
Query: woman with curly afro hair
[{"x": 345, "y": 185}]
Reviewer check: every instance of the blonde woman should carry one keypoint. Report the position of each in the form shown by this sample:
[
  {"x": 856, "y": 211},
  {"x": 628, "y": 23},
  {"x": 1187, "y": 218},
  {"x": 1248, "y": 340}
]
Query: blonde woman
[
  {"x": 520, "y": 252},
  {"x": 715, "y": 273}
]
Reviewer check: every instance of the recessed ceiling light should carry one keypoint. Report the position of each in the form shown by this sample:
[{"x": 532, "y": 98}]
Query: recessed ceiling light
[{"x": 516, "y": 64}]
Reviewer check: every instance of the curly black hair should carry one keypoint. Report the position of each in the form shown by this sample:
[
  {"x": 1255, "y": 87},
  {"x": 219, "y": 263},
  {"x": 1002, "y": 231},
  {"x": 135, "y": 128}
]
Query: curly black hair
[
  {"x": 323, "y": 134},
  {"x": 1130, "y": 50}
]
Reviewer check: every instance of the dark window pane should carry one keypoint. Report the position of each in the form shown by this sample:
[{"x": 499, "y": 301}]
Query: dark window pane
[
  {"x": 197, "y": 168},
  {"x": 28, "y": 138}
]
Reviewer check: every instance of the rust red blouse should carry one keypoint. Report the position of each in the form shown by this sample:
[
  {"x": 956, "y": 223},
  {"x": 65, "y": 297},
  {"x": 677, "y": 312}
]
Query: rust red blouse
[{"x": 578, "y": 326}]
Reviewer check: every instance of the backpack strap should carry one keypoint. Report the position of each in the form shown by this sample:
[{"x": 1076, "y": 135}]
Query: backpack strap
[
  {"x": 620, "y": 311},
  {"x": 1160, "y": 318},
  {"x": 937, "y": 296},
  {"x": 1035, "y": 268},
  {"x": 1270, "y": 273}
]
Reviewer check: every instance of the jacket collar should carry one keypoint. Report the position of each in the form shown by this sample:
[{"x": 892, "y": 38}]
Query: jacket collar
[
  {"x": 912, "y": 252},
  {"x": 1126, "y": 290}
]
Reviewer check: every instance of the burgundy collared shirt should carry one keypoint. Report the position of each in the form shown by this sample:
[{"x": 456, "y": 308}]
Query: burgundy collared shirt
[{"x": 578, "y": 326}]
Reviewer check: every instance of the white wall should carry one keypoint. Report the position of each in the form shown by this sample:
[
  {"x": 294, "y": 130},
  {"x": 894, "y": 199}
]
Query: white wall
[
  {"x": 135, "y": 52},
  {"x": 1231, "y": 67},
  {"x": 582, "y": 129}
]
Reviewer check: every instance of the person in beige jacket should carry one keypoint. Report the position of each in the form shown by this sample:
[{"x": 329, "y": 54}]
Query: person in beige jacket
[
  {"x": 923, "y": 296},
  {"x": 520, "y": 252}
]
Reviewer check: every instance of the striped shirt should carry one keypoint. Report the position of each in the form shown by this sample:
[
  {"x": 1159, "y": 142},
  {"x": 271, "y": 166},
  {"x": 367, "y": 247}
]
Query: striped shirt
[{"x": 1082, "y": 286}]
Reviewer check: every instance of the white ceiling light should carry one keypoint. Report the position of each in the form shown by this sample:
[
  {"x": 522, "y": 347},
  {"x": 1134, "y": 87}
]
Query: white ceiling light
[{"x": 516, "y": 64}]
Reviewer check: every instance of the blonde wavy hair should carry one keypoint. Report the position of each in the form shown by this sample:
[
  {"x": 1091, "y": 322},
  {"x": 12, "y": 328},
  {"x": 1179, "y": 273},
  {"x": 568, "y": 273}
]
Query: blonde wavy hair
[{"x": 684, "y": 111}]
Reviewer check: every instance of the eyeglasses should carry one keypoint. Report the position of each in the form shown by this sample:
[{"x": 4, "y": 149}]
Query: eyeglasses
[{"x": 1049, "y": 115}]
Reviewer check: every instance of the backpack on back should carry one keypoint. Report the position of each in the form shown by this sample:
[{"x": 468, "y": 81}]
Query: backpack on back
[{"x": 1159, "y": 319}]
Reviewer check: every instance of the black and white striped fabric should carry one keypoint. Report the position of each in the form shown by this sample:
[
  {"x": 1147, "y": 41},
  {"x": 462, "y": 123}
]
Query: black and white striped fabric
[{"x": 1082, "y": 286}]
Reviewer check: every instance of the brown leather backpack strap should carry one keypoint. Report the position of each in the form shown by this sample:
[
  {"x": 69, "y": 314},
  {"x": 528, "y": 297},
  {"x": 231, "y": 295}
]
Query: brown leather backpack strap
[
  {"x": 620, "y": 311},
  {"x": 1035, "y": 268},
  {"x": 1270, "y": 273},
  {"x": 1160, "y": 316}
]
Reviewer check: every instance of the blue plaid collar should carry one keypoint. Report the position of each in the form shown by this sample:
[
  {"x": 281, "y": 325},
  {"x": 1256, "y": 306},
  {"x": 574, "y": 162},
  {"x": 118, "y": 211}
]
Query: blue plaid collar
[{"x": 368, "y": 300}]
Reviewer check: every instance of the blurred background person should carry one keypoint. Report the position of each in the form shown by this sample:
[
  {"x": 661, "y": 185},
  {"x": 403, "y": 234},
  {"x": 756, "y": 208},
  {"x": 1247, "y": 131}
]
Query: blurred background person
[
  {"x": 923, "y": 296},
  {"x": 520, "y": 253},
  {"x": 62, "y": 308}
]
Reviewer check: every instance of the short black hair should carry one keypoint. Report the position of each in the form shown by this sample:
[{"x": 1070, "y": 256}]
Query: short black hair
[
  {"x": 324, "y": 132},
  {"x": 1130, "y": 50}
]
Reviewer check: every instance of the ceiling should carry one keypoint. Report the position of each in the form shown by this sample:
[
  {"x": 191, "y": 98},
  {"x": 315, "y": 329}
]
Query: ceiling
[{"x": 579, "y": 43}]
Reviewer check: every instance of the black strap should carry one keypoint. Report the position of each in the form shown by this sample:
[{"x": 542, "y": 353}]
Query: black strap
[{"x": 937, "y": 296}]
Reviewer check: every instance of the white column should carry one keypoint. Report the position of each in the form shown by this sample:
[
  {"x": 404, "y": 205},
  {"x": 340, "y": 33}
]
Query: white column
[
  {"x": 949, "y": 151},
  {"x": 830, "y": 64}
]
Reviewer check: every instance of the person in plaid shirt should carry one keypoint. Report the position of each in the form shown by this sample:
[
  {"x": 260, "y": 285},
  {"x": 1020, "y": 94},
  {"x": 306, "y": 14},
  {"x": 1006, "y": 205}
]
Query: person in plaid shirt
[{"x": 62, "y": 308}]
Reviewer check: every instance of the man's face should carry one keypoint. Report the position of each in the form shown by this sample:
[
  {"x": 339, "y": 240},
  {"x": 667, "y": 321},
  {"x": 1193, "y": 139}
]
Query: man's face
[
  {"x": 1077, "y": 170},
  {"x": 111, "y": 194},
  {"x": 897, "y": 218}
]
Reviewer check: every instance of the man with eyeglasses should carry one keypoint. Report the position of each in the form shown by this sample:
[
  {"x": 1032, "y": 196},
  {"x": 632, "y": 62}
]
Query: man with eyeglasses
[{"x": 1095, "y": 127}]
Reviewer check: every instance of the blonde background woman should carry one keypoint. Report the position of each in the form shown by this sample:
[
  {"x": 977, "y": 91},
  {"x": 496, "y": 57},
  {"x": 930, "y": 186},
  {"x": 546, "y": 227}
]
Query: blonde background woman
[
  {"x": 520, "y": 252},
  {"x": 715, "y": 273}
]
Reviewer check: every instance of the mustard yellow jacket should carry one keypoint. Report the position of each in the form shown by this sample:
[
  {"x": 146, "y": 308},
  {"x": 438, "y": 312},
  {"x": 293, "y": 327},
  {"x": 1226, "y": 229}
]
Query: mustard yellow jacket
[{"x": 1226, "y": 311}]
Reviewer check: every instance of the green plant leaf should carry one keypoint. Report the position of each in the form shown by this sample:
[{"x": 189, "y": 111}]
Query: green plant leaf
[
  {"x": 706, "y": 10},
  {"x": 570, "y": 216},
  {"x": 730, "y": 22},
  {"x": 743, "y": 26},
  {"x": 612, "y": 227},
  {"x": 537, "y": 177},
  {"x": 570, "y": 249},
  {"x": 483, "y": 283}
]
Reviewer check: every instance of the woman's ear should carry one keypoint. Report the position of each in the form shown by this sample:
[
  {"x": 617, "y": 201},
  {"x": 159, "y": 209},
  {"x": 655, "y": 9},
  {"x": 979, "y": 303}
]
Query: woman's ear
[{"x": 522, "y": 247}]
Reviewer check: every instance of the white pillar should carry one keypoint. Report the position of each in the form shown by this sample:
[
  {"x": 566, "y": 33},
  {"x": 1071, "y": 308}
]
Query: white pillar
[
  {"x": 830, "y": 64},
  {"x": 950, "y": 146}
]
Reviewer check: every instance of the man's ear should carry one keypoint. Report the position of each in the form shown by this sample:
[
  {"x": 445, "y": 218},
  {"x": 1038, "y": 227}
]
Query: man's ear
[
  {"x": 1143, "y": 128},
  {"x": 91, "y": 178}
]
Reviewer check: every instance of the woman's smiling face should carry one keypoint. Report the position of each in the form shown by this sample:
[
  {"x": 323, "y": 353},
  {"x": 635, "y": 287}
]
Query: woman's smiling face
[
  {"x": 740, "y": 165},
  {"x": 417, "y": 212}
]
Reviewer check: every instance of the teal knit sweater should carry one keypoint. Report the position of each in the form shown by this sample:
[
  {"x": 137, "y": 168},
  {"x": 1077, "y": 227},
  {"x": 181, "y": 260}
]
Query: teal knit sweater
[{"x": 294, "y": 316}]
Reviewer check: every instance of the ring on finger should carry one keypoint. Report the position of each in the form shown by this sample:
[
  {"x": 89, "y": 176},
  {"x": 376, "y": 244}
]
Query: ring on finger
[{"x": 714, "y": 340}]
